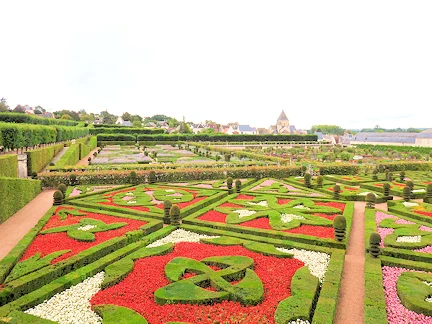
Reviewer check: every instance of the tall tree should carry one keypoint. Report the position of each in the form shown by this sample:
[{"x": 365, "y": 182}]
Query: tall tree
[
  {"x": 126, "y": 116},
  {"x": 108, "y": 118},
  {"x": 3, "y": 105},
  {"x": 73, "y": 114},
  {"x": 328, "y": 129},
  {"x": 184, "y": 127}
]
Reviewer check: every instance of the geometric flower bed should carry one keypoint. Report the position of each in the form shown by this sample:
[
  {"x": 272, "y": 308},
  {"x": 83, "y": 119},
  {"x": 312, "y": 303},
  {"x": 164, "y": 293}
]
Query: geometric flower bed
[
  {"x": 396, "y": 188},
  {"x": 414, "y": 209},
  {"x": 167, "y": 153},
  {"x": 116, "y": 154},
  {"x": 349, "y": 192},
  {"x": 208, "y": 184},
  {"x": 353, "y": 180},
  {"x": 74, "y": 191},
  {"x": 280, "y": 187},
  {"x": 273, "y": 259}
]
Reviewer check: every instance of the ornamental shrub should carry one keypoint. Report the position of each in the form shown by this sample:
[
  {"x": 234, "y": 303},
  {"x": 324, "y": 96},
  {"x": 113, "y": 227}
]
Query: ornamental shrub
[
  {"x": 152, "y": 177},
  {"x": 410, "y": 184},
  {"x": 428, "y": 197},
  {"x": 73, "y": 179},
  {"x": 175, "y": 215},
  {"x": 133, "y": 179},
  {"x": 238, "y": 185},
  {"x": 387, "y": 174},
  {"x": 386, "y": 187},
  {"x": 229, "y": 184},
  {"x": 407, "y": 193},
  {"x": 370, "y": 200},
  {"x": 62, "y": 187},
  {"x": 390, "y": 176},
  {"x": 402, "y": 175},
  {"x": 58, "y": 198},
  {"x": 227, "y": 157},
  {"x": 339, "y": 225},
  {"x": 34, "y": 175},
  {"x": 336, "y": 192},
  {"x": 167, "y": 208},
  {"x": 320, "y": 180},
  {"x": 307, "y": 179},
  {"x": 374, "y": 244},
  {"x": 375, "y": 175}
]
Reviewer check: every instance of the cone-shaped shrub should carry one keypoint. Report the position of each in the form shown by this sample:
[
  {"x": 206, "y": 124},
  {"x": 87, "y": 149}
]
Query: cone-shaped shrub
[
  {"x": 339, "y": 225},
  {"x": 402, "y": 175},
  {"x": 320, "y": 180},
  {"x": 73, "y": 179},
  {"x": 307, "y": 179},
  {"x": 167, "y": 208},
  {"x": 410, "y": 184},
  {"x": 133, "y": 179},
  {"x": 407, "y": 193},
  {"x": 375, "y": 175},
  {"x": 229, "y": 184},
  {"x": 387, "y": 174},
  {"x": 238, "y": 185},
  {"x": 58, "y": 197},
  {"x": 336, "y": 192},
  {"x": 374, "y": 244},
  {"x": 390, "y": 176},
  {"x": 370, "y": 200},
  {"x": 386, "y": 188},
  {"x": 152, "y": 177},
  {"x": 62, "y": 187},
  {"x": 428, "y": 197},
  {"x": 175, "y": 215}
]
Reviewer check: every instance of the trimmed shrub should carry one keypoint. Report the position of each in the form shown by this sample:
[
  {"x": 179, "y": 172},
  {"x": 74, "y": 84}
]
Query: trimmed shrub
[
  {"x": 10, "y": 117},
  {"x": 407, "y": 193},
  {"x": 410, "y": 184},
  {"x": 390, "y": 176},
  {"x": 370, "y": 200},
  {"x": 167, "y": 208},
  {"x": 58, "y": 198},
  {"x": 227, "y": 138},
  {"x": 62, "y": 187},
  {"x": 133, "y": 178},
  {"x": 9, "y": 166},
  {"x": 229, "y": 184},
  {"x": 238, "y": 185},
  {"x": 339, "y": 225},
  {"x": 336, "y": 192},
  {"x": 34, "y": 175},
  {"x": 428, "y": 197},
  {"x": 386, "y": 188},
  {"x": 402, "y": 175},
  {"x": 115, "y": 137},
  {"x": 103, "y": 129},
  {"x": 374, "y": 244},
  {"x": 320, "y": 180},
  {"x": 38, "y": 159},
  {"x": 175, "y": 215},
  {"x": 307, "y": 180},
  {"x": 71, "y": 156},
  {"x": 227, "y": 157},
  {"x": 73, "y": 180},
  {"x": 17, "y": 193},
  {"x": 152, "y": 177},
  {"x": 375, "y": 175}
]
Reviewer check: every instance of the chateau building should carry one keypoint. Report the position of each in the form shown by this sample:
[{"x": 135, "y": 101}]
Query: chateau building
[{"x": 282, "y": 126}]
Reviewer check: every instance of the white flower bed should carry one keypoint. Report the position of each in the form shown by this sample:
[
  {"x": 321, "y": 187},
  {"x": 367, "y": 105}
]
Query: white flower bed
[
  {"x": 244, "y": 212},
  {"x": 286, "y": 218},
  {"x": 366, "y": 193},
  {"x": 131, "y": 202},
  {"x": 409, "y": 239},
  {"x": 261, "y": 203},
  {"x": 299, "y": 321},
  {"x": 317, "y": 262},
  {"x": 170, "y": 190},
  {"x": 409, "y": 204},
  {"x": 419, "y": 190},
  {"x": 72, "y": 306},
  {"x": 180, "y": 235},
  {"x": 301, "y": 207},
  {"x": 86, "y": 228},
  {"x": 428, "y": 299},
  {"x": 130, "y": 194}
]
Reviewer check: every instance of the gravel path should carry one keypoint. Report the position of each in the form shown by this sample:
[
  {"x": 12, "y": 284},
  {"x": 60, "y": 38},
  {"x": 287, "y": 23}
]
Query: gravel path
[{"x": 84, "y": 161}]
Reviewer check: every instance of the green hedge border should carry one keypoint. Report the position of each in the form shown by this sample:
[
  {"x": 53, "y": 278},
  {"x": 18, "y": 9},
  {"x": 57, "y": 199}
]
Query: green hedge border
[{"x": 9, "y": 166}]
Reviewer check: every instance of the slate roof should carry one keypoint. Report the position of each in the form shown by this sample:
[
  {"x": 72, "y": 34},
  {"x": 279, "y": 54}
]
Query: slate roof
[
  {"x": 246, "y": 128},
  {"x": 320, "y": 135},
  {"x": 127, "y": 123},
  {"x": 386, "y": 137},
  {"x": 425, "y": 134},
  {"x": 282, "y": 116}
]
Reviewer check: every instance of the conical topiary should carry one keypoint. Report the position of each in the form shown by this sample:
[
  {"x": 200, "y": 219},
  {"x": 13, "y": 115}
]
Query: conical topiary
[
  {"x": 386, "y": 188},
  {"x": 339, "y": 225},
  {"x": 402, "y": 175},
  {"x": 320, "y": 180},
  {"x": 390, "y": 176},
  {"x": 307, "y": 180},
  {"x": 336, "y": 192},
  {"x": 73, "y": 179},
  {"x": 167, "y": 208},
  {"x": 407, "y": 193},
  {"x": 58, "y": 198},
  {"x": 62, "y": 187},
  {"x": 375, "y": 175},
  {"x": 229, "y": 184},
  {"x": 152, "y": 177},
  {"x": 133, "y": 178},
  {"x": 370, "y": 200},
  {"x": 410, "y": 184},
  {"x": 428, "y": 197},
  {"x": 175, "y": 215},
  {"x": 374, "y": 244},
  {"x": 238, "y": 185}
]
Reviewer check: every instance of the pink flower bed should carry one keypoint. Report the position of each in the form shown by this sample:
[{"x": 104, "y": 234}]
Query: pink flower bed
[
  {"x": 396, "y": 312},
  {"x": 383, "y": 232}
]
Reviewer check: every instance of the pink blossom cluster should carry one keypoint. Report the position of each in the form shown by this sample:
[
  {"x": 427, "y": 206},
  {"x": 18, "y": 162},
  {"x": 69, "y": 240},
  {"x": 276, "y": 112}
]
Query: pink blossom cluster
[
  {"x": 402, "y": 221},
  {"x": 379, "y": 216},
  {"x": 427, "y": 249},
  {"x": 425, "y": 228},
  {"x": 396, "y": 312},
  {"x": 383, "y": 232}
]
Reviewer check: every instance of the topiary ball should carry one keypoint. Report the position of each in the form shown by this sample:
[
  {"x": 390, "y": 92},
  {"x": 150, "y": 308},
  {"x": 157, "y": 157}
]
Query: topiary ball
[
  {"x": 374, "y": 238},
  {"x": 339, "y": 222},
  {"x": 58, "y": 197},
  {"x": 62, "y": 187}
]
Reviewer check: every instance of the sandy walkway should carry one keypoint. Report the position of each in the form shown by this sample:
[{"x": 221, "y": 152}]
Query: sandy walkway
[
  {"x": 14, "y": 229},
  {"x": 351, "y": 295},
  {"x": 84, "y": 161}
]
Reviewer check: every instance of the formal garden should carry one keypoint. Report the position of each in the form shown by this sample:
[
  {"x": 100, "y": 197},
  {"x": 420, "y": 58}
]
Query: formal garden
[{"x": 147, "y": 227}]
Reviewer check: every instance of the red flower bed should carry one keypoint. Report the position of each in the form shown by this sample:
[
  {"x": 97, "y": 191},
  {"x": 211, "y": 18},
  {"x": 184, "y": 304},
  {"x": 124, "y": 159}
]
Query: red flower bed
[
  {"x": 283, "y": 201},
  {"x": 227, "y": 204},
  {"x": 48, "y": 243},
  {"x": 425, "y": 213},
  {"x": 111, "y": 203},
  {"x": 137, "y": 289},
  {"x": 213, "y": 216},
  {"x": 245, "y": 197},
  {"x": 338, "y": 205},
  {"x": 427, "y": 182},
  {"x": 318, "y": 231}
]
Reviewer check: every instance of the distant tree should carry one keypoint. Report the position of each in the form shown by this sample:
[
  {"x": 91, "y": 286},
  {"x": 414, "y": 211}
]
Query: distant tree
[
  {"x": 39, "y": 110},
  {"x": 159, "y": 117},
  {"x": 207, "y": 131},
  {"x": 19, "y": 109},
  {"x": 184, "y": 128},
  {"x": 108, "y": 118},
  {"x": 413, "y": 130},
  {"x": 328, "y": 129},
  {"x": 136, "y": 117},
  {"x": 66, "y": 116},
  {"x": 73, "y": 114},
  {"x": 87, "y": 117},
  {"x": 126, "y": 116},
  {"x": 136, "y": 123},
  {"x": 3, "y": 105}
]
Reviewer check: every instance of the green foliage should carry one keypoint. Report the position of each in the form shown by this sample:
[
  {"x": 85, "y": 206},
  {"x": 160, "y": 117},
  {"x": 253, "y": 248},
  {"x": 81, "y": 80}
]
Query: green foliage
[
  {"x": 402, "y": 175},
  {"x": 167, "y": 208},
  {"x": 339, "y": 225},
  {"x": 412, "y": 291},
  {"x": 18, "y": 192},
  {"x": 320, "y": 180},
  {"x": 125, "y": 130},
  {"x": 238, "y": 185},
  {"x": 374, "y": 244},
  {"x": 58, "y": 197},
  {"x": 428, "y": 197},
  {"x": 116, "y": 137},
  {"x": 133, "y": 178},
  {"x": 307, "y": 180},
  {"x": 175, "y": 215},
  {"x": 28, "y": 119},
  {"x": 62, "y": 187},
  {"x": 370, "y": 200},
  {"x": 71, "y": 156},
  {"x": 152, "y": 177},
  {"x": 386, "y": 188},
  {"x": 229, "y": 182},
  {"x": 73, "y": 180},
  {"x": 113, "y": 314},
  {"x": 9, "y": 166},
  {"x": 328, "y": 129},
  {"x": 336, "y": 192},
  {"x": 38, "y": 159},
  {"x": 407, "y": 191},
  {"x": 410, "y": 184},
  {"x": 227, "y": 138}
]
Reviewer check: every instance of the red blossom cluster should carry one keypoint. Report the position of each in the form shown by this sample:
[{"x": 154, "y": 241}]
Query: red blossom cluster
[
  {"x": 338, "y": 205},
  {"x": 137, "y": 289},
  {"x": 425, "y": 213}
]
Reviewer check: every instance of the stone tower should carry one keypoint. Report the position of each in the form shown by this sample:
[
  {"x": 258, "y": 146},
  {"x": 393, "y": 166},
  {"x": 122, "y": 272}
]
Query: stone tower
[{"x": 282, "y": 123}]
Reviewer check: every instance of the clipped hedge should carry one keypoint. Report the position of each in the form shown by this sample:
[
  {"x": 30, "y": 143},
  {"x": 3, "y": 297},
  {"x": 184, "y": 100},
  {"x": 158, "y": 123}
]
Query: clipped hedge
[
  {"x": 38, "y": 159},
  {"x": 17, "y": 192},
  {"x": 71, "y": 157},
  {"x": 228, "y": 138},
  {"x": 29, "y": 119},
  {"x": 116, "y": 137},
  {"x": 9, "y": 166},
  {"x": 126, "y": 130}
]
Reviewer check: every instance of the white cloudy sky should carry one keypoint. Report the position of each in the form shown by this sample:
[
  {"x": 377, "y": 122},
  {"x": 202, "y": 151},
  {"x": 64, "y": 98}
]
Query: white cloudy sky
[{"x": 350, "y": 63}]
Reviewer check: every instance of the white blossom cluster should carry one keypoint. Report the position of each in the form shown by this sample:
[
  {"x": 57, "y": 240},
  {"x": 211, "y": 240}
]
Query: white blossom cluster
[
  {"x": 317, "y": 262},
  {"x": 261, "y": 203},
  {"x": 244, "y": 212},
  {"x": 72, "y": 306},
  {"x": 419, "y": 190},
  {"x": 429, "y": 298},
  {"x": 301, "y": 207},
  {"x": 86, "y": 227},
  {"x": 409, "y": 204},
  {"x": 180, "y": 235},
  {"x": 286, "y": 218},
  {"x": 366, "y": 193},
  {"x": 131, "y": 202},
  {"x": 409, "y": 239},
  {"x": 299, "y": 321}
]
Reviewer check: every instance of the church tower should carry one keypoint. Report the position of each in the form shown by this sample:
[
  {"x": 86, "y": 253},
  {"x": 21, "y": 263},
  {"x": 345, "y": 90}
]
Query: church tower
[{"x": 282, "y": 123}]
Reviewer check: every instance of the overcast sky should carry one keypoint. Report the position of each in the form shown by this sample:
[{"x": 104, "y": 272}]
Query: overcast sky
[{"x": 351, "y": 63}]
